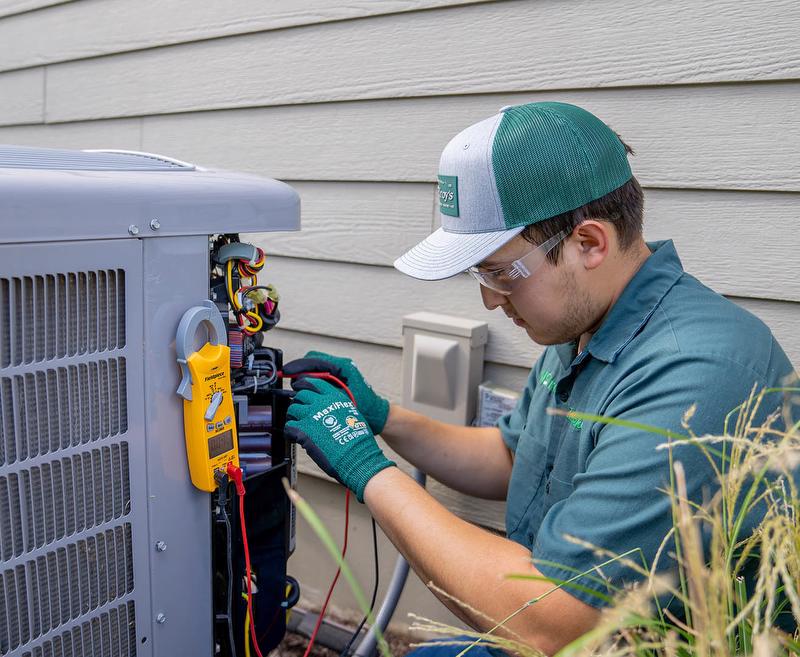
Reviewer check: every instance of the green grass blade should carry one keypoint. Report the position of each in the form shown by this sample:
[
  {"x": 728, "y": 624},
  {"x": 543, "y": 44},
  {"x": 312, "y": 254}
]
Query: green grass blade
[{"x": 325, "y": 537}]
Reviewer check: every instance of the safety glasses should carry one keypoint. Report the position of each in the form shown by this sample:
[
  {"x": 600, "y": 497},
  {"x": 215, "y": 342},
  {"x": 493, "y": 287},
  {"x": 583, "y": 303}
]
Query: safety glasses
[{"x": 502, "y": 279}]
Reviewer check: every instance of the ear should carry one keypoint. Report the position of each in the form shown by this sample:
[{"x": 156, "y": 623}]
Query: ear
[{"x": 593, "y": 240}]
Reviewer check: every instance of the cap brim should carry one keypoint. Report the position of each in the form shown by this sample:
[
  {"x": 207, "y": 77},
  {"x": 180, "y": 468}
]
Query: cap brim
[{"x": 442, "y": 254}]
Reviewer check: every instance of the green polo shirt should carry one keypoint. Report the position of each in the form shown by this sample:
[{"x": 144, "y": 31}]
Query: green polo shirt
[{"x": 668, "y": 342}]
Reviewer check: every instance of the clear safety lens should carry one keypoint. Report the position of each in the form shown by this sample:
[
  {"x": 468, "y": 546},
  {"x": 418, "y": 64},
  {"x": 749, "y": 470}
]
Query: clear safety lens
[{"x": 502, "y": 279}]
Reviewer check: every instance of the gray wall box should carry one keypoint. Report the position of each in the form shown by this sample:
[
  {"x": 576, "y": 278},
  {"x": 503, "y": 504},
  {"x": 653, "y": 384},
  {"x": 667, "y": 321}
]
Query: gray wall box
[
  {"x": 442, "y": 365},
  {"x": 100, "y": 255}
]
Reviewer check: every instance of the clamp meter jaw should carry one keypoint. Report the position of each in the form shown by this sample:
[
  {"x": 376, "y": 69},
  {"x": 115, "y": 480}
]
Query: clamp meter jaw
[{"x": 208, "y": 412}]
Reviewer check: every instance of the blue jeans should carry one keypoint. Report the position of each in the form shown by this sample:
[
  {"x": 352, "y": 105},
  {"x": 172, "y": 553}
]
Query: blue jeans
[{"x": 481, "y": 650}]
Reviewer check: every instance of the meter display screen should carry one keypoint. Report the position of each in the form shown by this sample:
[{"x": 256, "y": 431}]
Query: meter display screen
[{"x": 220, "y": 444}]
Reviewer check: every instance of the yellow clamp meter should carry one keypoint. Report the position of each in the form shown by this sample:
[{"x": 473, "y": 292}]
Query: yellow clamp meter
[{"x": 208, "y": 417}]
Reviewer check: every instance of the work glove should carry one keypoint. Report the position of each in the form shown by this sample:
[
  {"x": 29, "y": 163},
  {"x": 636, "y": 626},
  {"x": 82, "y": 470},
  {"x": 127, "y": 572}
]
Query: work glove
[
  {"x": 334, "y": 433},
  {"x": 372, "y": 406}
]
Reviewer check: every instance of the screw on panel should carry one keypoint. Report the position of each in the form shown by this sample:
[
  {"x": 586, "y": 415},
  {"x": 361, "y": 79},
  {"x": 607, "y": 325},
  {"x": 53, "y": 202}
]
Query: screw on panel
[
  {"x": 133, "y": 229},
  {"x": 155, "y": 224},
  {"x": 161, "y": 619},
  {"x": 161, "y": 546}
]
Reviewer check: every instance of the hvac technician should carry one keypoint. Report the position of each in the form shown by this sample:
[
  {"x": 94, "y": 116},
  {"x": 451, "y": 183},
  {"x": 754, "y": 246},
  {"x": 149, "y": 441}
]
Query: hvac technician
[{"x": 539, "y": 204}]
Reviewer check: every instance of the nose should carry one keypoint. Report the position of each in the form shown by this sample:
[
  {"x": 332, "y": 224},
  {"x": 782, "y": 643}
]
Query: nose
[{"x": 492, "y": 299}]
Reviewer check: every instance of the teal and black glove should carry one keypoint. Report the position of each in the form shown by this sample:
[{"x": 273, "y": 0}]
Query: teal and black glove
[
  {"x": 335, "y": 434},
  {"x": 372, "y": 406}
]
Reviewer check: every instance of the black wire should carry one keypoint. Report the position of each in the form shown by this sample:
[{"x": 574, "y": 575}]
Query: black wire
[
  {"x": 346, "y": 651},
  {"x": 222, "y": 500}
]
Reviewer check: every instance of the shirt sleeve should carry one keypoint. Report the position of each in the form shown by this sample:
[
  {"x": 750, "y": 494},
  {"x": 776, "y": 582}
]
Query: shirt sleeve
[{"x": 618, "y": 502}]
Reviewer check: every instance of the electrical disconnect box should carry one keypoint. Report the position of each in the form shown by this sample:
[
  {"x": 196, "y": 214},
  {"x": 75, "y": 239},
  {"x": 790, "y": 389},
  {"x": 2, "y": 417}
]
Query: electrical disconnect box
[
  {"x": 442, "y": 365},
  {"x": 107, "y": 548}
]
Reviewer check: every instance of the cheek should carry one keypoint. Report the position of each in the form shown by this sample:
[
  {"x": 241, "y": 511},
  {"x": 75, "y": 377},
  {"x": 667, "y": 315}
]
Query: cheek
[
  {"x": 539, "y": 292},
  {"x": 535, "y": 305},
  {"x": 544, "y": 302}
]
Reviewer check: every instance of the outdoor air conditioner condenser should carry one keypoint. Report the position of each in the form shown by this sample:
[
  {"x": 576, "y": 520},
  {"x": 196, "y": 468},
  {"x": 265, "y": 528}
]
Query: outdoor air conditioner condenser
[{"x": 106, "y": 547}]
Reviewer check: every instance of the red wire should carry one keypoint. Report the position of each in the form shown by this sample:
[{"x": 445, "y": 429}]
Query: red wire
[
  {"x": 335, "y": 579},
  {"x": 329, "y": 377},
  {"x": 322, "y": 375},
  {"x": 236, "y": 475}
]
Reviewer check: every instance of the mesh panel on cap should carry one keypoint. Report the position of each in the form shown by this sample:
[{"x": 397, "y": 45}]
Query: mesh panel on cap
[{"x": 550, "y": 158}]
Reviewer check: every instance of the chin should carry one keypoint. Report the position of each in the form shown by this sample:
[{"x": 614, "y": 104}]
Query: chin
[
  {"x": 538, "y": 338},
  {"x": 546, "y": 340}
]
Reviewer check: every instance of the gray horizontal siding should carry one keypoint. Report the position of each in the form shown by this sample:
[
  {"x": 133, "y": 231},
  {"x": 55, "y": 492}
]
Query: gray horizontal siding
[
  {"x": 22, "y": 94},
  {"x": 706, "y": 137},
  {"x": 442, "y": 52},
  {"x": 105, "y": 27},
  {"x": 12, "y": 7}
]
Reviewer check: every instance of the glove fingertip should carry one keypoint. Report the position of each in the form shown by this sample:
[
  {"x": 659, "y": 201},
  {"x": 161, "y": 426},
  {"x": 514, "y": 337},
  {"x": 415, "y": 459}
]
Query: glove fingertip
[
  {"x": 333, "y": 363},
  {"x": 305, "y": 383},
  {"x": 298, "y": 366}
]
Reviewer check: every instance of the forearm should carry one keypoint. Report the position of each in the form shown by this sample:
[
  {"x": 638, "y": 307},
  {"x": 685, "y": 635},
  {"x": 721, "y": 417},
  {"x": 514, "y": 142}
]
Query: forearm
[
  {"x": 472, "y": 460},
  {"x": 470, "y": 565}
]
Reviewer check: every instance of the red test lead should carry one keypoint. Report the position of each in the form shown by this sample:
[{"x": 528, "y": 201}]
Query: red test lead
[{"x": 235, "y": 474}]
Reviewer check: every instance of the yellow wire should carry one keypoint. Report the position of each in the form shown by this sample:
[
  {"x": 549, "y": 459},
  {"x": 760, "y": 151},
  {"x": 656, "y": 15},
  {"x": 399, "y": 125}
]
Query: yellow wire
[
  {"x": 288, "y": 611},
  {"x": 246, "y": 630},
  {"x": 228, "y": 279},
  {"x": 256, "y": 327},
  {"x": 258, "y": 323},
  {"x": 247, "y": 621}
]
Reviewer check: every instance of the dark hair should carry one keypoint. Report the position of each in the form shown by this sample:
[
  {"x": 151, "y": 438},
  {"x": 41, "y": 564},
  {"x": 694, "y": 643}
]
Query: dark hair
[{"x": 622, "y": 208}]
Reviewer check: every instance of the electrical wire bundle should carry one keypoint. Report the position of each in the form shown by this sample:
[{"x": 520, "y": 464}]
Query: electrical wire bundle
[
  {"x": 255, "y": 306},
  {"x": 260, "y": 370}
]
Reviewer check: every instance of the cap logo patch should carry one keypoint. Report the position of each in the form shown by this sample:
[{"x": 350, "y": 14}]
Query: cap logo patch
[{"x": 448, "y": 195}]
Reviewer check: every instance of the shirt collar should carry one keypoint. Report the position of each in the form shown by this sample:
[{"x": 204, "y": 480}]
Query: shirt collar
[{"x": 638, "y": 301}]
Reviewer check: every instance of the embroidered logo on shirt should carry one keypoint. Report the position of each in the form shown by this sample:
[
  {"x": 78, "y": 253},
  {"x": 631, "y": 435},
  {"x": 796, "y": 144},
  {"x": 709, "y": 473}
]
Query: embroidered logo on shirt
[
  {"x": 575, "y": 422},
  {"x": 548, "y": 380}
]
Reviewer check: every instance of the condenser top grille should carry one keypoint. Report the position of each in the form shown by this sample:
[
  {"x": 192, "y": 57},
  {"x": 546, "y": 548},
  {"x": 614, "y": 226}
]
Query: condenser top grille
[{"x": 22, "y": 157}]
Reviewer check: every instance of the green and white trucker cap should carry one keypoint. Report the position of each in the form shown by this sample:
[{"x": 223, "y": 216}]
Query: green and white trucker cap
[{"x": 525, "y": 164}]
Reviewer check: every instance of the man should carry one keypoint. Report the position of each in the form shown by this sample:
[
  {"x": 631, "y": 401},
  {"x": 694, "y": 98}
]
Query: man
[{"x": 539, "y": 204}]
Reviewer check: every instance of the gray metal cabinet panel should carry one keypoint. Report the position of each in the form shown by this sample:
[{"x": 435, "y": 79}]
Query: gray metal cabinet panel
[{"x": 176, "y": 275}]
